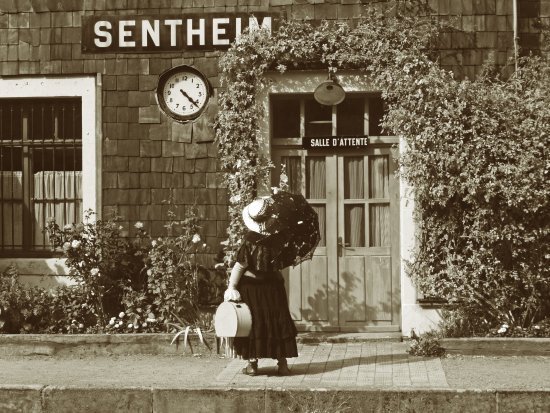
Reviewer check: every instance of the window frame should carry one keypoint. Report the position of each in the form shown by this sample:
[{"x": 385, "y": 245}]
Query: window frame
[{"x": 88, "y": 89}]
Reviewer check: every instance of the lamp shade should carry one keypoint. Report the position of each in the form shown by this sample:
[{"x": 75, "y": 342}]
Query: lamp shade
[{"x": 329, "y": 93}]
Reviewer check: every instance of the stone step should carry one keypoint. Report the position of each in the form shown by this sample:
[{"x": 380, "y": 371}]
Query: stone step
[{"x": 50, "y": 399}]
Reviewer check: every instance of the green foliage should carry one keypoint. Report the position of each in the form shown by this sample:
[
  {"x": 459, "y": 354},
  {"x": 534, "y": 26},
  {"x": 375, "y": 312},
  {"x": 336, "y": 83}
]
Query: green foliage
[
  {"x": 476, "y": 159},
  {"x": 26, "y": 309},
  {"x": 426, "y": 345},
  {"x": 170, "y": 291},
  {"x": 475, "y": 151},
  {"x": 378, "y": 40},
  {"x": 98, "y": 258}
]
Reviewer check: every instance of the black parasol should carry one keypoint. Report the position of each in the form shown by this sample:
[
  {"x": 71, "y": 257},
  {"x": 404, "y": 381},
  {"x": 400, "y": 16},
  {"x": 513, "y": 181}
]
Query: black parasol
[{"x": 295, "y": 225}]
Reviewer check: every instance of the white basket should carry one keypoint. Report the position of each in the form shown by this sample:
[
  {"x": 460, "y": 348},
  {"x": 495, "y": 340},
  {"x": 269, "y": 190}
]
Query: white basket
[{"x": 232, "y": 320}]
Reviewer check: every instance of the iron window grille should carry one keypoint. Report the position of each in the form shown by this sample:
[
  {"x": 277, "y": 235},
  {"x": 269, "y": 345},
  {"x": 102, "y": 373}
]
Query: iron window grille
[{"x": 40, "y": 171}]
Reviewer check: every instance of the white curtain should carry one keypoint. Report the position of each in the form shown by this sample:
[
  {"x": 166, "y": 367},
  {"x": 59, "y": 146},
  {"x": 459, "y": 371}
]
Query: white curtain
[
  {"x": 57, "y": 195},
  {"x": 11, "y": 209},
  {"x": 354, "y": 181},
  {"x": 317, "y": 183},
  {"x": 379, "y": 214}
]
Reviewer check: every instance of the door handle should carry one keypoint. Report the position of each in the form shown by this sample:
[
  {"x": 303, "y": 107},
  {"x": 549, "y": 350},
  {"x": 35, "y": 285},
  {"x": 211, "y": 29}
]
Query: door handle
[{"x": 343, "y": 244}]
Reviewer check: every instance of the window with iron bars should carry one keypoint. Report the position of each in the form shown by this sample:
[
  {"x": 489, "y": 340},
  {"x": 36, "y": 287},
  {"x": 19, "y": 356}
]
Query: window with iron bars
[{"x": 40, "y": 171}]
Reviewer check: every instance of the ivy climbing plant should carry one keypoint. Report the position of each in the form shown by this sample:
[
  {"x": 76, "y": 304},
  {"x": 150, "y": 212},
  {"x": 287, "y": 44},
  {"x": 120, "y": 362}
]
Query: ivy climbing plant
[
  {"x": 377, "y": 41},
  {"x": 475, "y": 151}
]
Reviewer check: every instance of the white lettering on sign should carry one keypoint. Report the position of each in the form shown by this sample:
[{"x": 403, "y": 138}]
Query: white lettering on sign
[
  {"x": 254, "y": 25},
  {"x": 218, "y": 31},
  {"x": 169, "y": 32},
  {"x": 123, "y": 33},
  {"x": 147, "y": 31},
  {"x": 195, "y": 32},
  {"x": 173, "y": 23},
  {"x": 353, "y": 141},
  {"x": 320, "y": 142},
  {"x": 99, "y": 33}
]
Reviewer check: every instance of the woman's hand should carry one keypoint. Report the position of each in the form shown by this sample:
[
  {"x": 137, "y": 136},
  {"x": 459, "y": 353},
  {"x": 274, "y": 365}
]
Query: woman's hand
[{"x": 231, "y": 294}]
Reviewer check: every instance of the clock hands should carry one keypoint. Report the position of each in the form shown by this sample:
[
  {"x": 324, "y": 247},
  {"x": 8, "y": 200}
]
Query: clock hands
[{"x": 189, "y": 98}]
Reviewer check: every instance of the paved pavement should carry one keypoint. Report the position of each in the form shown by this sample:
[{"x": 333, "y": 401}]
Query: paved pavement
[{"x": 343, "y": 365}]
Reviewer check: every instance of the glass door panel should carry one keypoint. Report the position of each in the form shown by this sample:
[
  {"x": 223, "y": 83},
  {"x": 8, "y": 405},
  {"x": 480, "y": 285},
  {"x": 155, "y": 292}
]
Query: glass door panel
[
  {"x": 354, "y": 222},
  {"x": 379, "y": 176},
  {"x": 354, "y": 178},
  {"x": 293, "y": 166},
  {"x": 316, "y": 189}
]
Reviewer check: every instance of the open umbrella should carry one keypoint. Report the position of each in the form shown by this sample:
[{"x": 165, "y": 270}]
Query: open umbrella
[{"x": 295, "y": 227}]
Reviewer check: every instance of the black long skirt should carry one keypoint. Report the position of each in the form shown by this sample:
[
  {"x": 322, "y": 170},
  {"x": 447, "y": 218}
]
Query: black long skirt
[{"x": 273, "y": 333}]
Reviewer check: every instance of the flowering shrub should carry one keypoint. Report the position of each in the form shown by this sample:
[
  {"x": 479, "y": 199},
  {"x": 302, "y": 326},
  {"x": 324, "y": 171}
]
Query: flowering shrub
[
  {"x": 540, "y": 329},
  {"x": 170, "y": 288},
  {"x": 148, "y": 283},
  {"x": 36, "y": 310},
  {"x": 98, "y": 258}
]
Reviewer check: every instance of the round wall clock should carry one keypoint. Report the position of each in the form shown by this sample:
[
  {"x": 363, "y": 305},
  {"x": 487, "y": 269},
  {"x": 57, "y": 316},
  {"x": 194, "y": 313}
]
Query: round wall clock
[{"x": 183, "y": 93}]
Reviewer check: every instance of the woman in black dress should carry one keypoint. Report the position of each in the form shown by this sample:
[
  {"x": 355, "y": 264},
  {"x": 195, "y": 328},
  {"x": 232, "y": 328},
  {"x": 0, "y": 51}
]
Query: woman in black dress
[{"x": 257, "y": 281}]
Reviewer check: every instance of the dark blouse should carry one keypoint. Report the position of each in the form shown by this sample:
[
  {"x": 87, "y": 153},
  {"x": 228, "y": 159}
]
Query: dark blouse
[{"x": 259, "y": 253}]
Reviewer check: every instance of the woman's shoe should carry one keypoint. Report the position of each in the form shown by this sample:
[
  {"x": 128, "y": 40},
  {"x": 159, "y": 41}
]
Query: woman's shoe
[
  {"x": 251, "y": 368},
  {"x": 283, "y": 369}
]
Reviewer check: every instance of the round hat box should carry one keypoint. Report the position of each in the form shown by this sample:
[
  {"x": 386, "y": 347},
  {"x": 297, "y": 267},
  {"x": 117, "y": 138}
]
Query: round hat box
[{"x": 232, "y": 319}]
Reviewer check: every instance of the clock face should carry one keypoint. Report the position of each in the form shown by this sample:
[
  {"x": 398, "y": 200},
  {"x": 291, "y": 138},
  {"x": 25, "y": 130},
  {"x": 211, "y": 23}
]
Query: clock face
[{"x": 183, "y": 93}]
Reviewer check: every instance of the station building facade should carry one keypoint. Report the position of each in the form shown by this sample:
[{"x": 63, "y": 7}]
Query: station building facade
[{"x": 82, "y": 127}]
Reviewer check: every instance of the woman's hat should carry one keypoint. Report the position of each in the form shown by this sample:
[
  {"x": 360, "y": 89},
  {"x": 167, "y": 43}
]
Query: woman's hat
[{"x": 256, "y": 215}]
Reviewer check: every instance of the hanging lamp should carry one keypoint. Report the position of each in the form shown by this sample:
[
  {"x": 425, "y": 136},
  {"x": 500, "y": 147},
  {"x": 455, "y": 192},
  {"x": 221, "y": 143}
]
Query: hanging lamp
[{"x": 329, "y": 92}]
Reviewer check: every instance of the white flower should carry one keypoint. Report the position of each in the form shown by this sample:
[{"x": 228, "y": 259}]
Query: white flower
[
  {"x": 111, "y": 322},
  {"x": 136, "y": 326},
  {"x": 68, "y": 227},
  {"x": 154, "y": 243},
  {"x": 501, "y": 330},
  {"x": 130, "y": 325},
  {"x": 284, "y": 178},
  {"x": 144, "y": 325},
  {"x": 536, "y": 327},
  {"x": 121, "y": 314},
  {"x": 149, "y": 272},
  {"x": 138, "y": 225},
  {"x": 204, "y": 245},
  {"x": 81, "y": 325},
  {"x": 84, "y": 236},
  {"x": 94, "y": 271},
  {"x": 196, "y": 239},
  {"x": 66, "y": 245},
  {"x": 76, "y": 243},
  {"x": 505, "y": 325},
  {"x": 117, "y": 325}
]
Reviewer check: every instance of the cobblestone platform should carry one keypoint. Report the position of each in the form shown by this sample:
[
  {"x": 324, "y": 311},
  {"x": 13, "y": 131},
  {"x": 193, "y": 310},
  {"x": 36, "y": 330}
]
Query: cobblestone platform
[{"x": 345, "y": 365}]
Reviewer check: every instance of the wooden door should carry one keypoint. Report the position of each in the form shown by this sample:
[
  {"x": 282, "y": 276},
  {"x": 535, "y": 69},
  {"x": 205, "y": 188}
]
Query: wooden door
[
  {"x": 367, "y": 241},
  {"x": 352, "y": 282}
]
